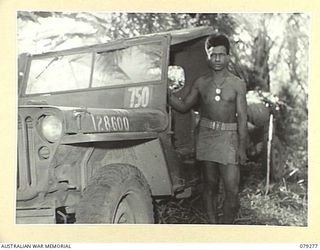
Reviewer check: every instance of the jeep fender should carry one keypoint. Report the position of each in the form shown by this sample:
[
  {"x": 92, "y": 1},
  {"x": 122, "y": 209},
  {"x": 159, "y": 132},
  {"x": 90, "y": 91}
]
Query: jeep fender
[{"x": 147, "y": 156}]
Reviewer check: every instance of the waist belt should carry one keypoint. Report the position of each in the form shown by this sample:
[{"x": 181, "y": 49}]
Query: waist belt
[{"x": 215, "y": 125}]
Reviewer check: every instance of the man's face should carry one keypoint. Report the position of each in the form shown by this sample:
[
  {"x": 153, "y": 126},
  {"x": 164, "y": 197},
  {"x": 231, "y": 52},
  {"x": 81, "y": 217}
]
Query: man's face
[{"x": 218, "y": 58}]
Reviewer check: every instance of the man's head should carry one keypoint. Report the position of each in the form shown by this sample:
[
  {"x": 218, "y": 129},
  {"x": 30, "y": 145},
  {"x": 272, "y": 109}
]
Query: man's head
[
  {"x": 217, "y": 48},
  {"x": 218, "y": 40}
]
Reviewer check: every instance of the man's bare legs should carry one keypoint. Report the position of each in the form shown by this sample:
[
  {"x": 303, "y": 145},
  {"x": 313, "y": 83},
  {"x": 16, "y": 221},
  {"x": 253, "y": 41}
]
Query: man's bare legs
[
  {"x": 230, "y": 175},
  {"x": 211, "y": 189}
]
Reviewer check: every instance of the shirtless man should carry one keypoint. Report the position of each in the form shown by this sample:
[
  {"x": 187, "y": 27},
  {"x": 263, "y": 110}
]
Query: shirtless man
[{"x": 222, "y": 129}]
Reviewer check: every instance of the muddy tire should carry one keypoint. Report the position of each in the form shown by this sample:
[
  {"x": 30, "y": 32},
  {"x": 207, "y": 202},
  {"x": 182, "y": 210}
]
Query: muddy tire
[{"x": 117, "y": 194}]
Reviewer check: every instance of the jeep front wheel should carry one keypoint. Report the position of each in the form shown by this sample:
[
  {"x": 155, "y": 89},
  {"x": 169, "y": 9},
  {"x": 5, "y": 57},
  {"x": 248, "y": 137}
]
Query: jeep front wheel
[{"x": 118, "y": 193}]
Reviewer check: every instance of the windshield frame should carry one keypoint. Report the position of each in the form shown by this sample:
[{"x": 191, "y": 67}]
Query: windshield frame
[{"x": 164, "y": 40}]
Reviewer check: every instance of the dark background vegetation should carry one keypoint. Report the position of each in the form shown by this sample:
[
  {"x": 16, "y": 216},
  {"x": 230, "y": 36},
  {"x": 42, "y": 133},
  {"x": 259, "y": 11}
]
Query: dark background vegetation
[{"x": 269, "y": 51}]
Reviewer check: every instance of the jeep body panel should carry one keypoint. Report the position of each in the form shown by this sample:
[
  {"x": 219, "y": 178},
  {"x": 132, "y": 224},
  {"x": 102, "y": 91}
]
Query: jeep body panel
[{"x": 149, "y": 158}]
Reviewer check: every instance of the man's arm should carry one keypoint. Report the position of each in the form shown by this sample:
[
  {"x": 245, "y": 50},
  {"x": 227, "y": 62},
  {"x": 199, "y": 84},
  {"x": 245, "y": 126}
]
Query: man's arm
[
  {"x": 183, "y": 105},
  {"x": 242, "y": 121}
]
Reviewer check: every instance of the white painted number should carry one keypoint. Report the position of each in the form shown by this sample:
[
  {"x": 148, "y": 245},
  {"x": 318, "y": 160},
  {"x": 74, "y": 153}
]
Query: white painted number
[
  {"x": 110, "y": 123},
  {"x": 139, "y": 97}
]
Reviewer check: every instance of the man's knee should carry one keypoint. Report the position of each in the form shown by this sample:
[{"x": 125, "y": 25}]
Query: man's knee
[
  {"x": 232, "y": 190},
  {"x": 232, "y": 198},
  {"x": 211, "y": 188},
  {"x": 231, "y": 178}
]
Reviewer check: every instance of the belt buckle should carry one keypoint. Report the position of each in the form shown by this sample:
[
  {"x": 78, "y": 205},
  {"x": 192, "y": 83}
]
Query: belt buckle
[
  {"x": 223, "y": 126},
  {"x": 213, "y": 125},
  {"x": 219, "y": 125}
]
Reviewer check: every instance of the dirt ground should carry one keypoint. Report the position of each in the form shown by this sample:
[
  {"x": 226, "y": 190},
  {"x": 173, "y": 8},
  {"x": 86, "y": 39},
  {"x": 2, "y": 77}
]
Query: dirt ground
[{"x": 285, "y": 204}]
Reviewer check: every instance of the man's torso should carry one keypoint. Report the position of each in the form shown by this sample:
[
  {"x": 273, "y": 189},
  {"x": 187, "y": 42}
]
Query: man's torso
[
  {"x": 218, "y": 146},
  {"x": 223, "y": 110}
]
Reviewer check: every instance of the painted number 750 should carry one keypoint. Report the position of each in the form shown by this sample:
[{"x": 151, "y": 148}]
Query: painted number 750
[{"x": 139, "y": 97}]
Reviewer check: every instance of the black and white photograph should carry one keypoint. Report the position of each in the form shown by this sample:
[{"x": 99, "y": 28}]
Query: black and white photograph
[{"x": 162, "y": 118}]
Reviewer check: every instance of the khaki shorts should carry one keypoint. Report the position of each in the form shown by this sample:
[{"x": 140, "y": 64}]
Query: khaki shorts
[{"x": 219, "y": 146}]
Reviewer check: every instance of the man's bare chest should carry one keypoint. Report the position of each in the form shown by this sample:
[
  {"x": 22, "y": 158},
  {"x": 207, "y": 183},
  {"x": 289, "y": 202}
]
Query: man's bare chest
[{"x": 210, "y": 93}]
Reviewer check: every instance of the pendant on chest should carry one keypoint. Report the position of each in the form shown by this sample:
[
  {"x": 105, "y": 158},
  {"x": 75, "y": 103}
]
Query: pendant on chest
[{"x": 217, "y": 96}]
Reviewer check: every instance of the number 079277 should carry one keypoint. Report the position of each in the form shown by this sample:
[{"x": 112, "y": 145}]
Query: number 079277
[{"x": 309, "y": 246}]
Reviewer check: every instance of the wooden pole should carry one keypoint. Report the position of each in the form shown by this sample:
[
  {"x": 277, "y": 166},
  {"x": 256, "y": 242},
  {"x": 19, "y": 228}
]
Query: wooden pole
[{"x": 269, "y": 143}]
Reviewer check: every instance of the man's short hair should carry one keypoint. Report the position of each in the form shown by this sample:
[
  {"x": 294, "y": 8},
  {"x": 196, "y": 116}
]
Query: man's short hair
[{"x": 218, "y": 40}]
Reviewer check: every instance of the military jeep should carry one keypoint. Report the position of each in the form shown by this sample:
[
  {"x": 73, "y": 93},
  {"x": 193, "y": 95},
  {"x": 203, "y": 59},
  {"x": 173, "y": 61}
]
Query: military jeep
[
  {"x": 95, "y": 133},
  {"x": 97, "y": 141}
]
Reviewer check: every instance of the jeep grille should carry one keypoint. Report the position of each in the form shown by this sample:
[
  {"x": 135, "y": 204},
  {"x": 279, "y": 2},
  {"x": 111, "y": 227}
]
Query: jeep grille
[{"x": 26, "y": 163}]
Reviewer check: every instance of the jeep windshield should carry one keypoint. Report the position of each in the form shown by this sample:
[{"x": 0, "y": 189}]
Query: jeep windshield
[{"x": 130, "y": 65}]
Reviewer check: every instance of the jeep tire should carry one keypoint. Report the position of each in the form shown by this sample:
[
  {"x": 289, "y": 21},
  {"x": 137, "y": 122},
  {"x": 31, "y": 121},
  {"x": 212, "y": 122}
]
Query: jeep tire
[{"x": 117, "y": 194}]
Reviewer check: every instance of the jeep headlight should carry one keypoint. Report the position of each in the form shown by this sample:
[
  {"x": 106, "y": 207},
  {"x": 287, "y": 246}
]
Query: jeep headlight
[{"x": 51, "y": 128}]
